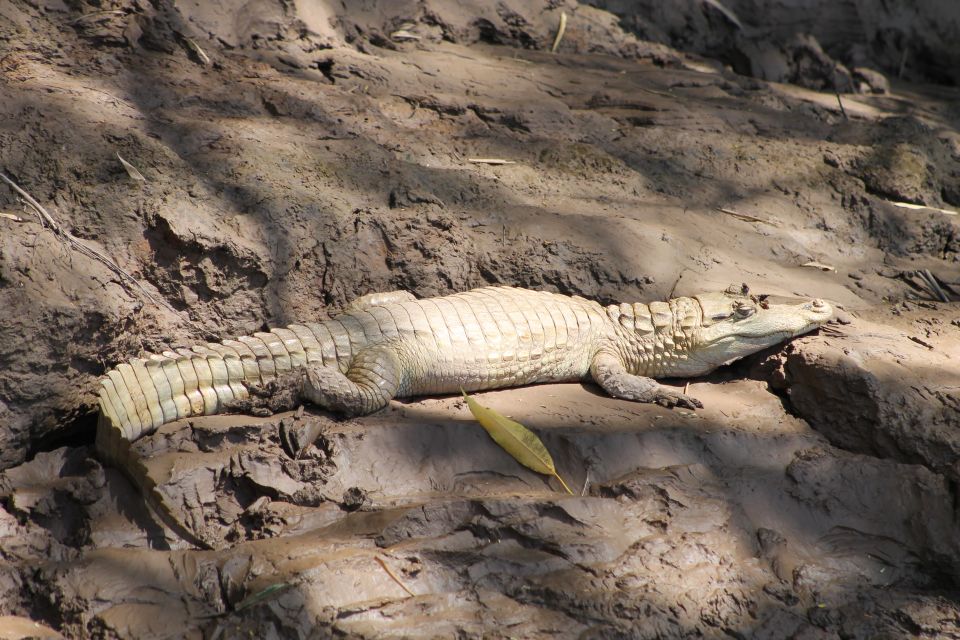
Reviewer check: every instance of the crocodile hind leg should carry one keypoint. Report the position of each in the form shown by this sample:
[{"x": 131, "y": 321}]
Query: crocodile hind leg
[
  {"x": 608, "y": 371},
  {"x": 372, "y": 380}
]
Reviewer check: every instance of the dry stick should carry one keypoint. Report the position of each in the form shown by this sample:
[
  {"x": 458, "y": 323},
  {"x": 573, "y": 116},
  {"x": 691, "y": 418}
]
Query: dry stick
[
  {"x": 910, "y": 205},
  {"x": 840, "y": 102},
  {"x": 744, "y": 216},
  {"x": 931, "y": 281},
  {"x": 47, "y": 220},
  {"x": 832, "y": 330},
  {"x": 492, "y": 161},
  {"x": 656, "y": 93},
  {"x": 394, "y": 576},
  {"x": 922, "y": 343}
]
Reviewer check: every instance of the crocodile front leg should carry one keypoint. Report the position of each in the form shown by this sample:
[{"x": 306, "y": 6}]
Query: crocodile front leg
[
  {"x": 608, "y": 371},
  {"x": 372, "y": 380}
]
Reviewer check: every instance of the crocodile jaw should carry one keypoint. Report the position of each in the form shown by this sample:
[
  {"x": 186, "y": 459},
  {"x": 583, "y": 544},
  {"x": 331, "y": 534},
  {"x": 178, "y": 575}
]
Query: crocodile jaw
[{"x": 736, "y": 326}]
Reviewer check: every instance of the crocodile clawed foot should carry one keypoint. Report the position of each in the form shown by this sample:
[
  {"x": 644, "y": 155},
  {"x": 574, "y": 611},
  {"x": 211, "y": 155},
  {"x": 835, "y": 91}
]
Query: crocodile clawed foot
[
  {"x": 668, "y": 398},
  {"x": 327, "y": 387}
]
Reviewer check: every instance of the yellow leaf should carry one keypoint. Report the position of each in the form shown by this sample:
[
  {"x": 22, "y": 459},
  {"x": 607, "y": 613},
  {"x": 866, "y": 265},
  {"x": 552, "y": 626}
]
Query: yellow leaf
[{"x": 521, "y": 443}]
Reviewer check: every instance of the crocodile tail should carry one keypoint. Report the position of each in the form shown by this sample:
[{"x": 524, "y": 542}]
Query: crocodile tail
[{"x": 138, "y": 396}]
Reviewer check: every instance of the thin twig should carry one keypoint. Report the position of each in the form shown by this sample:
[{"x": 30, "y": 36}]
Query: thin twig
[
  {"x": 11, "y": 216},
  {"x": 394, "y": 576},
  {"x": 656, "y": 93},
  {"x": 493, "y": 161},
  {"x": 47, "y": 220},
  {"x": 744, "y": 216},
  {"x": 840, "y": 102},
  {"x": 917, "y": 207}
]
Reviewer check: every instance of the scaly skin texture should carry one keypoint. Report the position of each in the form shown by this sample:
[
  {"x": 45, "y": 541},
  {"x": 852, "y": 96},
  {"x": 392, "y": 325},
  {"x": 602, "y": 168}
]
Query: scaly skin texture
[{"x": 389, "y": 345}]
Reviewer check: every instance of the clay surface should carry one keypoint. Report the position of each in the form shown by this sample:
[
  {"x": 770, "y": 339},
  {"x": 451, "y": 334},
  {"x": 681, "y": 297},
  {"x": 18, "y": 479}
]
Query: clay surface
[{"x": 297, "y": 155}]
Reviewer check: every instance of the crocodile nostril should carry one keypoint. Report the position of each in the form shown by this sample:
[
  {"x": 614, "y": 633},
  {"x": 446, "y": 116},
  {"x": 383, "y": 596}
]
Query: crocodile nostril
[{"x": 817, "y": 303}]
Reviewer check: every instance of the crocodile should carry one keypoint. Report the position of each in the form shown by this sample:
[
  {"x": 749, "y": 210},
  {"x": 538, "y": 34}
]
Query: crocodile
[{"x": 393, "y": 345}]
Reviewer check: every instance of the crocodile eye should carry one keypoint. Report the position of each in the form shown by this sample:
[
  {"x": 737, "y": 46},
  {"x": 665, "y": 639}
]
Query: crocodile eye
[
  {"x": 743, "y": 310},
  {"x": 720, "y": 316}
]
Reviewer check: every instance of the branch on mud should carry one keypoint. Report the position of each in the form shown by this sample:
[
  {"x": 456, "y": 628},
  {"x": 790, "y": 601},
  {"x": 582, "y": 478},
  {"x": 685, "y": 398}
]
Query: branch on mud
[
  {"x": 126, "y": 278},
  {"x": 745, "y": 216},
  {"x": 390, "y": 573},
  {"x": 932, "y": 284}
]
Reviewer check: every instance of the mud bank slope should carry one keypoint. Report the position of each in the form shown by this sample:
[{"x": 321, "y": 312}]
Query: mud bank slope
[{"x": 296, "y": 156}]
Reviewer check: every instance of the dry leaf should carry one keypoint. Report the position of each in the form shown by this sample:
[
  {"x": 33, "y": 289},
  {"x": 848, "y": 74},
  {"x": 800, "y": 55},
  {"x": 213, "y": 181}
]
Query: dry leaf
[
  {"x": 131, "y": 170},
  {"x": 560, "y": 30},
  {"x": 818, "y": 265},
  {"x": 11, "y": 216},
  {"x": 201, "y": 54},
  {"x": 728, "y": 14},
  {"x": 521, "y": 443},
  {"x": 403, "y": 34}
]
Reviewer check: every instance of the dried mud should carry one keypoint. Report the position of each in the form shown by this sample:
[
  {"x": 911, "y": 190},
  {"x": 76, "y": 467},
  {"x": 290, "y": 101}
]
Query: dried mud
[{"x": 297, "y": 155}]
